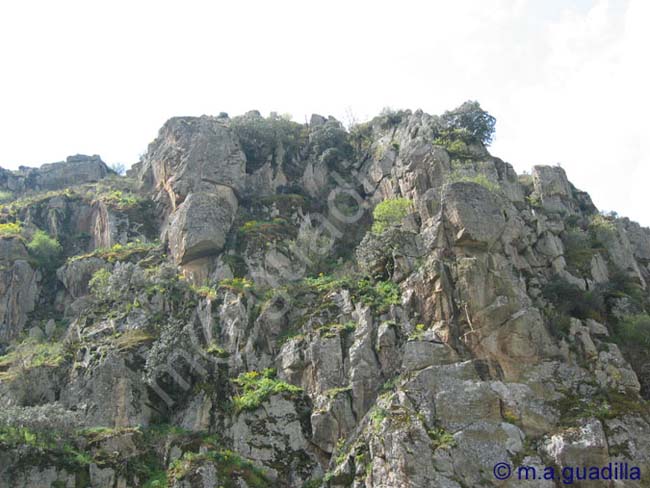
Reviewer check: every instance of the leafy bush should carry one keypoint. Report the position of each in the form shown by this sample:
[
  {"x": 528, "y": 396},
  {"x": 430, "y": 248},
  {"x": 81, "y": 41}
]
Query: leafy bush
[
  {"x": 205, "y": 291},
  {"x": 571, "y": 300},
  {"x": 230, "y": 466},
  {"x": 99, "y": 283},
  {"x": 257, "y": 387},
  {"x": 634, "y": 330},
  {"x": 45, "y": 249},
  {"x": 330, "y": 143},
  {"x": 472, "y": 120},
  {"x": 603, "y": 224},
  {"x": 441, "y": 438},
  {"x": 456, "y": 142},
  {"x": 331, "y": 330},
  {"x": 263, "y": 138},
  {"x": 390, "y": 213},
  {"x": 389, "y": 118},
  {"x": 10, "y": 229},
  {"x": 379, "y": 295},
  {"x": 239, "y": 285},
  {"x": 120, "y": 200},
  {"x": 578, "y": 251}
]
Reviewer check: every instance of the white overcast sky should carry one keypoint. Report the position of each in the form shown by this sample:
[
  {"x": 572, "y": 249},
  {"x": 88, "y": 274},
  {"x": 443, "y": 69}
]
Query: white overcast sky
[{"x": 567, "y": 81}]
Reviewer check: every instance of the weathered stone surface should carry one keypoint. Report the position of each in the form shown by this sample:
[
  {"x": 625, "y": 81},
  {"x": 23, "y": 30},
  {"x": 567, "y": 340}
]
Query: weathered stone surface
[
  {"x": 584, "y": 445},
  {"x": 75, "y": 170},
  {"x": 553, "y": 188},
  {"x": 191, "y": 154},
  {"x": 474, "y": 214},
  {"x": 274, "y": 437},
  {"x": 19, "y": 288},
  {"x": 425, "y": 354},
  {"x": 199, "y": 227},
  {"x": 76, "y": 274}
]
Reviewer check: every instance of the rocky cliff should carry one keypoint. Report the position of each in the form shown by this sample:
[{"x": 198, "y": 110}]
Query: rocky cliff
[{"x": 266, "y": 303}]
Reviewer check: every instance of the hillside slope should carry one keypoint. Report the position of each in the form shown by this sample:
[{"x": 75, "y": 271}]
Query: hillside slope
[{"x": 265, "y": 303}]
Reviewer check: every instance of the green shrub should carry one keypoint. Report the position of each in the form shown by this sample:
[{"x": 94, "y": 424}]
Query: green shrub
[
  {"x": 601, "y": 223},
  {"x": 571, "y": 300},
  {"x": 10, "y": 229},
  {"x": 230, "y": 467},
  {"x": 205, "y": 291},
  {"x": 441, "y": 438},
  {"x": 99, "y": 283},
  {"x": 6, "y": 196},
  {"x": 479, "y": 179},
  {"x": 257, "y": 387},
  {"x": 471, "y": 119},
  {"x": 389, "y": 118},
  {"x": 634, "y": 330},
  {"x": 45, "y": 249},
  {"x": 379, "y": 295},
  {"x": 331, "y": 330},
  {"x": 258, "y": 232},
  {"x": 377, "y": 416},
  {"x": 238, "y": 285},
  {"x": 578, "y": 251},
  {"x": 120, "y": 200},
  {"x": 29, "y": 355},
  {"x": 390, "y": 213},
  {"x": 272, "y": 138},
  {"x": 119, "y": 252}
]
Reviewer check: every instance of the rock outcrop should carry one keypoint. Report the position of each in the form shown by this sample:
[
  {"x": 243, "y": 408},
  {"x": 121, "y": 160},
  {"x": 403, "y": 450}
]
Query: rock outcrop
[
  {"x": 276, "y": 337},
  {"x": 74, "y": 170}
]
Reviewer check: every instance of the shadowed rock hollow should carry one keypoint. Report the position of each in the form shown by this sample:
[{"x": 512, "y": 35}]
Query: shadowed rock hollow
[{"x": 266, "y": 303}]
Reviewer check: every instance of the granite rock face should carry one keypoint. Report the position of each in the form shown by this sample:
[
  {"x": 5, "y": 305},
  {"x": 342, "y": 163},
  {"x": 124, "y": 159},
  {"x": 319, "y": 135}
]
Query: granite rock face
[
  {"x": 226, "y": 314},
  {"x": 18, "y": 287},
  {"x": 74, "y": 170},
  {"x": 201, "y": 223}
]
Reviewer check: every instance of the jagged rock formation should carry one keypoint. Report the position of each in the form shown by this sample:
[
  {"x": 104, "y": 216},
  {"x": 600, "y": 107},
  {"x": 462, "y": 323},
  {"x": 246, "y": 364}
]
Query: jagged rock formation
[{"x": 229, "y": 315}]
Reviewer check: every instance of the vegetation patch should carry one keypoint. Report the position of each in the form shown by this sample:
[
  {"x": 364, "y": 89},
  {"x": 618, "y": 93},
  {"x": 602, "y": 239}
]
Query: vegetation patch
[
  {"x": 119, "y": 252},
  {"x": 261, "y": 232},
  {"x": 333, "y": 330},
  {"x": 10, "y": 229},
  {"x": 120, "y": 200},
  {"x": 441, "y": 439},
  {"x": 46, "y": 250},
  {"x": 479, "y": 179},
  {"x": 230, "y": 466},
  {"x": 6, "y": 196},
  {"x": 237, "y": 285},
  {"x": 379, "y": 295},
  {"x": 334, "y": 392},
  {"x": 634, "y": 330},
  {"x": 390, "y": 213},
  {"x": 30, "y": 355},
  {"x": 571, "y": 300},
  {"x": 256, "y": 387},
  {"x": 132, "y": 339},
  {"x": 579, "y": 250}
]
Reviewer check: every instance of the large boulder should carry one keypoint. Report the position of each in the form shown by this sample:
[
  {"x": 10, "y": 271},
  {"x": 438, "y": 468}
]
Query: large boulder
[
  {"x": 200, "y": 225},
  {"x": 191, "y": 154},
  {"x": 474, "y": 213}
]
